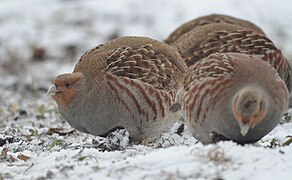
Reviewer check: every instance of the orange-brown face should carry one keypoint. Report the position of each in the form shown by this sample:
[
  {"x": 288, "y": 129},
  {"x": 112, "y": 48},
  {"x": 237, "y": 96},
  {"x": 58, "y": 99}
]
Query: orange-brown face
[
  {"x": 65, "y": 88},
  {"x": 250, "y": 110}
]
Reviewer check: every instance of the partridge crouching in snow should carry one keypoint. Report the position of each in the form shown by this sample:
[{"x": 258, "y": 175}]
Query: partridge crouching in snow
[
  {"x": 129, "y": 82},
  {"x": 232, "y": 96}
]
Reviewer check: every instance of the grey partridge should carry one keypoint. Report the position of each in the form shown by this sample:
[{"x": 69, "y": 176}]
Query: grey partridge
[
  {"x": 210, "y": 19},
  {"x": 232, "y": 96},
  {"x": 128, "y": 82}
]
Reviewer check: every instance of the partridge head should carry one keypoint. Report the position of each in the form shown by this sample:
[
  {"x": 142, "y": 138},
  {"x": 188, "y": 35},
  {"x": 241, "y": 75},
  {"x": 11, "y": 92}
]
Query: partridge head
[
  {"x": 66, "y": 87},
  {"x": 128, "y": 82},
  {"x": 249, "y": 108}
]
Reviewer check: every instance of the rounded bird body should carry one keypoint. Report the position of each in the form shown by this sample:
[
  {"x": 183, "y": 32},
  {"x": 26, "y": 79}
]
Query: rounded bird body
[
  {"x": 232, "y": 96},
  {"x": 129, "y": 82}
]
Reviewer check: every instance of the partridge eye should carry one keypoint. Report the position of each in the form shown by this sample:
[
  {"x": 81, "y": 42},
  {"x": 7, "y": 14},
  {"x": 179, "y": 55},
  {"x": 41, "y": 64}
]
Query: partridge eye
[{"x": 67, "y": 85}]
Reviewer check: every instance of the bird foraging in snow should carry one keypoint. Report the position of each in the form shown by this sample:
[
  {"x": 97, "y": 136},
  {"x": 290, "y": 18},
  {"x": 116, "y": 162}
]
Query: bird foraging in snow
[
  {"x": 129, "y": 82},
  {"x": 232, "y": 96}
]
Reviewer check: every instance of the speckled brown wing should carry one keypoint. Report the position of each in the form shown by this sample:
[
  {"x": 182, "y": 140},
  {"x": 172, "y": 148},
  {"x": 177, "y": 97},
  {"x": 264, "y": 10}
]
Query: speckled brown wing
[
  {"x": 137, "y": 42},
  {"x": 143, "y": 64},
  {"x": 202, "y": 83},
  {"x": 143, "y": 80},
  {"x": 205, "y": 40},
  {"x": 210, "y": 19},
  {"x": 94, "y": 62}
]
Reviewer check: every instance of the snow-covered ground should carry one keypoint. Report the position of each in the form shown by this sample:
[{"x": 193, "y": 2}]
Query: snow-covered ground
[{"x": 58, "y": 32}]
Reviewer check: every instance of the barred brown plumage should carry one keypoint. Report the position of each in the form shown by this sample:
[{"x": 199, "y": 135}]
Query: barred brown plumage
[
  {"x": 232, "y": 96},
  {"x": 129, "y": 82},
  {"x": 221, "y": 37}
]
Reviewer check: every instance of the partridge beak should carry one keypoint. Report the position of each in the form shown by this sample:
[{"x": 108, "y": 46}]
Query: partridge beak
[
  {"x": 244, "y": 128},
  {"x": 52, "y": 90}
]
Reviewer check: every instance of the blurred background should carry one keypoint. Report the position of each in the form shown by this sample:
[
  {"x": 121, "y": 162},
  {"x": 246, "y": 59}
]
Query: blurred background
[{"x": 40, "y": 39}]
